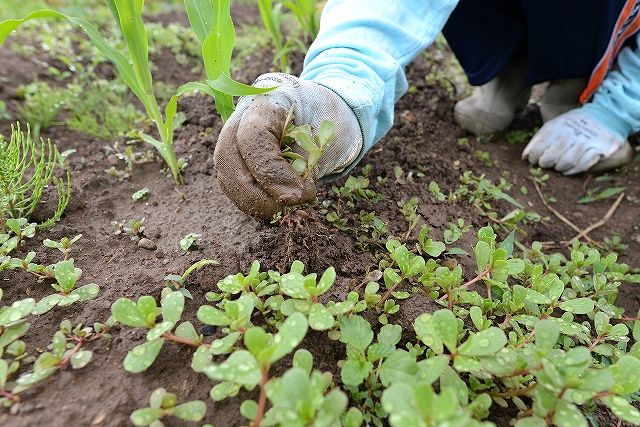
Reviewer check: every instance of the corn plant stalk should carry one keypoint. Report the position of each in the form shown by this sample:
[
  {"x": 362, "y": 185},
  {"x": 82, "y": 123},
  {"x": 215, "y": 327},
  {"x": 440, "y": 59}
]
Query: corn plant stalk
[
  {"x": 271, "y": 19},
  {"x": 133, "y": 68},
  {"x": 212, "y": 24},
  {"x": 305, "y": 12}
]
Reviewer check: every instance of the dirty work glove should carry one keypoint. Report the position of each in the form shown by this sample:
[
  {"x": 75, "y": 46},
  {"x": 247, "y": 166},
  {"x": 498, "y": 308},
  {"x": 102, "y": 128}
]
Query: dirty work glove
[
  {"x": 574, "y": 142},
  {"x": 248, "y": 158}
]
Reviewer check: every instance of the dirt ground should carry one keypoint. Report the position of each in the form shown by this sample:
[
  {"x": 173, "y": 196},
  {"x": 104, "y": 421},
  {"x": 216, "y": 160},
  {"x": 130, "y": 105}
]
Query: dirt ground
[{"x": 423, "y": 139}]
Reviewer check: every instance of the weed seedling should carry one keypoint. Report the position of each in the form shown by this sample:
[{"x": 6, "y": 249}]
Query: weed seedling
[
  {"x": 594, "y": 195},
  {"x": 313, "y": 145},
  {"x": 141, "y": 194},
  {"x": 64, "y": 245},
  {"x": 190, "y": 241},
  {"x": 164, "y": 404},
  {"x": 42, "y": 104},
  {"x": 177, "y": 282},
  {"x": 133, "y": 228},
  {"x": 143, "y": 315}
]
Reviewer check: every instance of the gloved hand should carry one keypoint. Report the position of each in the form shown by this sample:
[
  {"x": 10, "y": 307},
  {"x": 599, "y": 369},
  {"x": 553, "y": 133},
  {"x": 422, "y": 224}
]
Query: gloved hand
[
  {"x": 248, "y": 159},
  {"x": 574, "y": 142}
]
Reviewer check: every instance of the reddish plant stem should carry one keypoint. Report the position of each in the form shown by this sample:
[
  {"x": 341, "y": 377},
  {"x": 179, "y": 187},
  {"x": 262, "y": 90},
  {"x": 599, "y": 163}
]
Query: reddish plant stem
[
  {"x": 388, "y": 293},
  {"x": 262, "y": 400},
  {"x": 9, "y": 395},
  {"x": 477, "y": 278},
  {"x": 595, "y": 342},
  {"x": 73, "y": 351},
  {"x": 515, "y": 392},
  {"x": 169, "y": 336},
  {"x": 449, "y": 299},
  {"x": 628, "y": 319}
]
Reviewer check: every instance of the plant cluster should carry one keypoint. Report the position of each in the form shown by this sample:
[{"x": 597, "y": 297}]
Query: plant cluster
[
  {"x": 302, "y": 138},
  {"x": 27, "y": 168}
]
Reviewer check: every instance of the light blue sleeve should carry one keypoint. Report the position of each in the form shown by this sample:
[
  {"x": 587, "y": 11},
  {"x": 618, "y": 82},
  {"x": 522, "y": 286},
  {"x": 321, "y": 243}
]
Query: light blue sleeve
[
  {"x": 616, "y": 103},
  {"x": 362, "y": 49}
]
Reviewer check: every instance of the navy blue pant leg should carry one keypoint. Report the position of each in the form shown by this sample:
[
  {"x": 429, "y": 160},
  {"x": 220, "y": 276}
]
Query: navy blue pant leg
[{"x": 561, "y": 39}]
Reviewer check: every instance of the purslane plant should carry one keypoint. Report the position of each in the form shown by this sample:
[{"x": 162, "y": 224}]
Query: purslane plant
[
  {"x": 163, "y": 404},
  {"x": 26, "y": 169},
  {"x": 312, "y": 144},
  {"x": 304, "y": 397},
  {"x": 67, "y": 348}
]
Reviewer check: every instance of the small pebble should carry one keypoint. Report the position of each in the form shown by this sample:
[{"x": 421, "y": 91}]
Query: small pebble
[
  {"x": 159, "y": 253},
  {"x": 112, "y": 160},
  {"x": 147, "y": 244},
  {"x": 208, "y": 330}
]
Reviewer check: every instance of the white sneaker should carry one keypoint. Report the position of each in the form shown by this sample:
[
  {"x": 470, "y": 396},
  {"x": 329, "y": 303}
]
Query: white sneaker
[
  {"x": 491, "y": 107},
  {"x": 560, "y": 97}
]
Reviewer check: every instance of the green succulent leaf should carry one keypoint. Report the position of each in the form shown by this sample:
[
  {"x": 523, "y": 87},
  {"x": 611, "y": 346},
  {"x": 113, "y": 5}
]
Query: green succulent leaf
[
  {"x": 484, "y": 343},
  {"x": 172, "y": 307},
  {"x": 80, "y": 359},
  {"x": 445, "y": 327},
  {"x": 190, "y": 411},
  {"x": 578, "y": 306},
  {"x": 142, "y": 356},
  {"x": 145, "y": 416},
  {"x": 320, "y": 318}
]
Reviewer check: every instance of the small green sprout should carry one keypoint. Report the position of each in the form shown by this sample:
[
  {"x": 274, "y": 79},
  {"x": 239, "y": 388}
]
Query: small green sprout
[
  {"x": 66, "y": 276},
  {"x": 190, "y": 241},
  {"x": 595, "y": 195},
  {"x": 141, "y": 194},
  {"x": 164, "y": 404},
  {"x": 67, "y": 348},
  {"x": 134, "y": 228},
  {"x": 313, "y": 145},
  {"x": 64, "y": 245},
  {"x": 177, "y": 282}
]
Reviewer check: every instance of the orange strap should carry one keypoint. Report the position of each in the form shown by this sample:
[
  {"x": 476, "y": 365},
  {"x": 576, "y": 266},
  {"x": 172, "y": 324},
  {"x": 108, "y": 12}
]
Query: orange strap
[{"x": 628, "y": 23}]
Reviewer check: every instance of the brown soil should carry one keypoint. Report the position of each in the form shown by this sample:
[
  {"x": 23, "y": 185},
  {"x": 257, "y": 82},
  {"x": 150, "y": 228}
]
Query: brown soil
[{"x": 423, "y": 139}]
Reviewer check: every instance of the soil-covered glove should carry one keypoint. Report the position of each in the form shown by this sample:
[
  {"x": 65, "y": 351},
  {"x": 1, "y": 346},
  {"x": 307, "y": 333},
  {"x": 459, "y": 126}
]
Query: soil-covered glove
[
  {"x": 248, "y": 157},
  {"x": 572, "y": 143}
]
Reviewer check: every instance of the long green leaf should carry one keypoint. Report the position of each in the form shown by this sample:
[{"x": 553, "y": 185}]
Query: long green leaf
[
  {"x": 135, "y": 35},
  {"x": 231, "y": 87},
  {"x": 201, "y": 14}
]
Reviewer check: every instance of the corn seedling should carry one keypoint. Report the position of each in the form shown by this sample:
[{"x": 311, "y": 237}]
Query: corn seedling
[
  {"x": 132, "y": 66},
  {"x": 271, "y": 15},
  {"x": 306, "y": 13},
  {"x": 26, "y": 169},
  {"x": 212, "y": 24}
]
